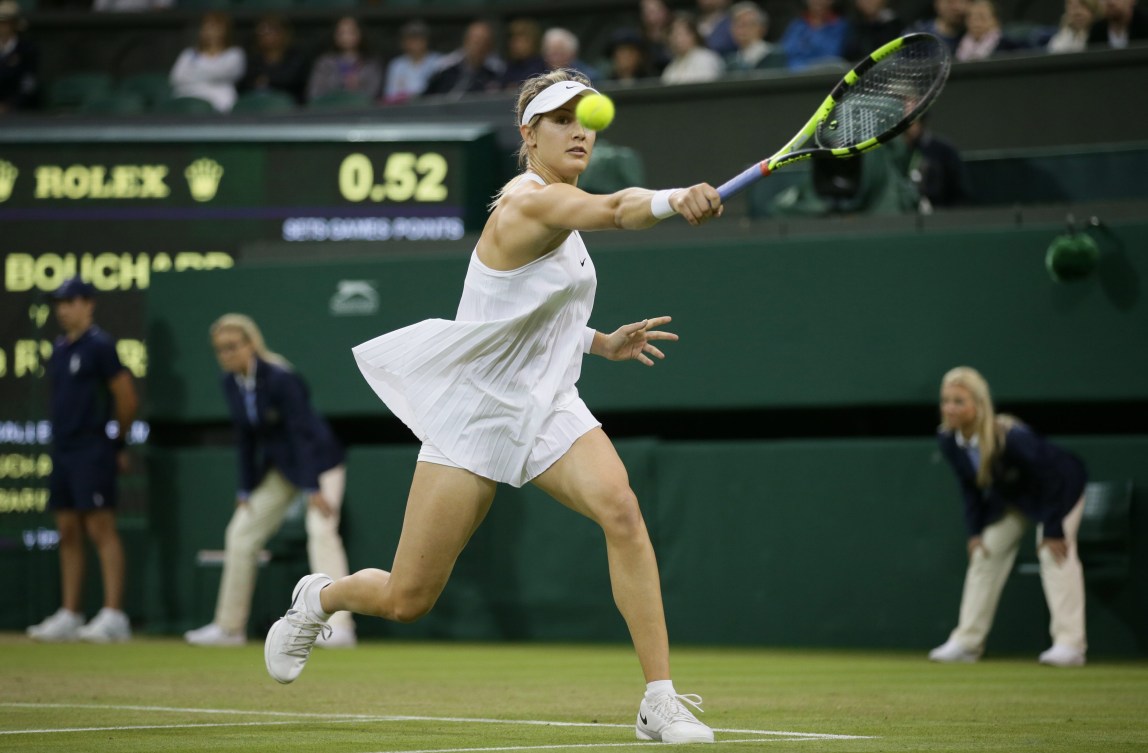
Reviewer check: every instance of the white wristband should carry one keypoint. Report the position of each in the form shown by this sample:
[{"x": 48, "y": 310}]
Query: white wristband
[
  {"x": 660, "y": 204},
  {"x": 588, "y": 339}
]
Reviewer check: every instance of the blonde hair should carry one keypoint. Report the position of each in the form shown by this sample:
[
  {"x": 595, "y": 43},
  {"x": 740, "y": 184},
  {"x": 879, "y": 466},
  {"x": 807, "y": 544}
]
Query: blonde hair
[
  {"x": 249, "y": 330},
  {"x": 530, "y": 89},
  {"x": 989, "y": 428}
]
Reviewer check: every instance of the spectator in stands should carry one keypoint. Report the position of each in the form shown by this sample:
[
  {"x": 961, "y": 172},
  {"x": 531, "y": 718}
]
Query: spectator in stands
[
  {"x": 473, "y": 67},
  {"x": 1123, "y": 22},
  {"x": 982, "y": 37},
  {"x": 409, "y": 73},
  {"x": 349, "y": 67},
  {"x": 714, "y": 24},
  {"x": 629, "y": 60},
  {"x": 749, "y": 25},
  {"x": 523, "y": 52},
  {"x": 274, "y": 63},
  {"x": 934, "y": 166},
  {"x": 1075, "y": 25},
  {"x": 90, "y": 388},
  {"x": 19, "y": 61},
  {"x": 656, "y": 18},
  {"x": 284, "y": 448},
  {"x": 814, "y": 38},
  {"x": 873, "y": 24},
  {"x": 693, "y": 62},
  {"x": 1009, "y": 476},
  {"x": 211, "y": 69},
  {"x": 560, "y": 51},
  {"x": 948, "y": 23}
]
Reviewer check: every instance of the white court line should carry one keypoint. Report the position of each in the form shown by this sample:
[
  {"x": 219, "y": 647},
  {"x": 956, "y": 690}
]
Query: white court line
[
  {"x": 309, "y": 716},
  {"x": 635, "y": 744}
]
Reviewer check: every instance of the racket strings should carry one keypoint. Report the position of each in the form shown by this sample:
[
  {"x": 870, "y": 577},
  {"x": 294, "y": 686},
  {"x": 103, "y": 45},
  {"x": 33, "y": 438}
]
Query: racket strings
[{"x": 896, "y": 89}]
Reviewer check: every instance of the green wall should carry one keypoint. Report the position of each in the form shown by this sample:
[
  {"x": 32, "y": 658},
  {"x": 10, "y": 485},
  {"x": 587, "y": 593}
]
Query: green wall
[
  {"x": 829, "y": 542},
  {"x": 812, "y": 321},
  {"x": 816, "y": 543}
]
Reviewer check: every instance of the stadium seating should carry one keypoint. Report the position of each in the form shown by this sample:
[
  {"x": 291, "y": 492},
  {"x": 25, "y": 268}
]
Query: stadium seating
[
  {"x": 69, "y": 91},
  {"x": 264, "y": 102}
]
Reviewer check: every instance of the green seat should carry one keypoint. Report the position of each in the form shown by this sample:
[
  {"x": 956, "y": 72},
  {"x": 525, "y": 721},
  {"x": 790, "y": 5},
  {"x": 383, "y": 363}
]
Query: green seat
[
  {"x": 153, "y": 87},
  {"x": 612, "y": 168},
  {"x": 204, "y": 4},
  {"x": 263, "y": 5},
  {"x": 341, "y": 100},
  {"x": 1105, "y": 525},
  {"x": 115, "y": 103},
  {"x": 185, "y": 106},
  {"x": 264, "y": 102},
  {"x": 1104, "y": 536},
  {"x": 70, "y": 90}
]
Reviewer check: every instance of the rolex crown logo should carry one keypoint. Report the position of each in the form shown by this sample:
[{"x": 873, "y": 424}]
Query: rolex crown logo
[
  {"x": 203, "y": 178},
  {"x": 8, "y": 173}
]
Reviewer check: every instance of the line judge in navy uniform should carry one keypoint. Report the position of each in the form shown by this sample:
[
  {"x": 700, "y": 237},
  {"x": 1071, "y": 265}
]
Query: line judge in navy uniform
[
  {"x": 1010, "y": 476},
  {"x": 285, "y": 447},
  {"x": 89, "y": 388}
]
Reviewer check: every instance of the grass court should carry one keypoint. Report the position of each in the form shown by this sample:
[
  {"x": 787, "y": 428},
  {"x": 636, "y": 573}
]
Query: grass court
[{"x": 157, "y": 695}]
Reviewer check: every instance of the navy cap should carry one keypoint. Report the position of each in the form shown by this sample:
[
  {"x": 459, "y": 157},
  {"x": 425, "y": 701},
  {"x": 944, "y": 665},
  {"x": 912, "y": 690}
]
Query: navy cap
[{"x": 74, "y": 287}]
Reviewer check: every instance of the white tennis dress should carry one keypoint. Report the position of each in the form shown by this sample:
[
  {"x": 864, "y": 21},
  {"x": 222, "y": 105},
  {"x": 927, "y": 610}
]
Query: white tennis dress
[{"x": 494, "y": 390}]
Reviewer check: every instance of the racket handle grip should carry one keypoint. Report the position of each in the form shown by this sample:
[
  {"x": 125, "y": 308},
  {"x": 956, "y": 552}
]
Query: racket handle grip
[{"x": 743, "y": 180}]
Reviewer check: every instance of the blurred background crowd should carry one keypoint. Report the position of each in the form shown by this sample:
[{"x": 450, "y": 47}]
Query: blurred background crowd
[{"x": 278, "y": 55}]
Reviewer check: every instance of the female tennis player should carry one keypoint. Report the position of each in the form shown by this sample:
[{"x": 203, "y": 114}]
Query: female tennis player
[
  {"x": 1009, "y": 476},
  {"x": 492, "y": 397}
]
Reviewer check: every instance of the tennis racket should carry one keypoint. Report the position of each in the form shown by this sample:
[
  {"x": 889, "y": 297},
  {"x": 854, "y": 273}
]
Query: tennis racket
[{"x": 875, "y": 101}]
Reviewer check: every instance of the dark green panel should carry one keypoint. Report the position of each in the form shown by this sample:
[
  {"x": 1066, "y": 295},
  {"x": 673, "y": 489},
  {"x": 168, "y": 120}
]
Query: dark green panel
[
  {"x": 853, "y": 543},
  {"x": 822, "y": 321},
  {"x": 298, "y": 309}
]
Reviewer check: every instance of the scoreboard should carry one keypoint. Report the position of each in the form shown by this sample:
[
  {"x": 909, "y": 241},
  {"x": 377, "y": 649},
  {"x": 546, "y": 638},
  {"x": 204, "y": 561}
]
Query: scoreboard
[{"x": 118, "y": 205}]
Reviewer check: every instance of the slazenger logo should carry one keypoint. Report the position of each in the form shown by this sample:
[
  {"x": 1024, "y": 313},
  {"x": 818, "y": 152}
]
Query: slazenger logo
[{"x": 355, "y": 298}]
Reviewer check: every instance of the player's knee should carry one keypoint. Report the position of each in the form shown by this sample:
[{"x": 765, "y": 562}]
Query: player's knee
[
  {"x": 409, "y": 605},
  {"x": 620, "y": 516}
]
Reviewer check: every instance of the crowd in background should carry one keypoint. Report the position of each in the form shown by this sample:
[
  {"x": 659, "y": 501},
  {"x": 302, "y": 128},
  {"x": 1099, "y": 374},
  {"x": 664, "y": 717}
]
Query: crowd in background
[{"x": 713, "y": 39}]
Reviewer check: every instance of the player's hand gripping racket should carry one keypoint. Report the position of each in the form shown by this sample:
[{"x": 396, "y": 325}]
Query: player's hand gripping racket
[{"x": 875, "y": 101}]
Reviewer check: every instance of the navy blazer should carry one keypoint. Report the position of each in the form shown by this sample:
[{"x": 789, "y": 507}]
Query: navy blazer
[
  {"x": 288, "y": 435},
  {"x": 1040, "y": 479}
]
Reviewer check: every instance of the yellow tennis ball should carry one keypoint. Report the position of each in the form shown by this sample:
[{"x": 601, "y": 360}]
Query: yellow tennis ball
[{"x": 595, "y": 111}]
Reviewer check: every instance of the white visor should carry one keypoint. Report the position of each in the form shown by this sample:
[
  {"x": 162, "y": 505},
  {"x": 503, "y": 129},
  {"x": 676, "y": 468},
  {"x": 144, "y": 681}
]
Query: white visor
[{"x": 553, "y": 97}]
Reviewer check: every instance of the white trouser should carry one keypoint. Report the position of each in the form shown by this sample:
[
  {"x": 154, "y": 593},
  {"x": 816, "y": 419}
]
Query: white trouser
[
  {"x": 257, "y": 521},
  {"x": 985, "y": 579}
]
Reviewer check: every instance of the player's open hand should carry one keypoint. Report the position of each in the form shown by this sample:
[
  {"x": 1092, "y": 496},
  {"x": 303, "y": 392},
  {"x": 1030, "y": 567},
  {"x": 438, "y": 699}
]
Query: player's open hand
[
  {"x": 635, "y": 342},
  {"x": 697, "y": 204}
]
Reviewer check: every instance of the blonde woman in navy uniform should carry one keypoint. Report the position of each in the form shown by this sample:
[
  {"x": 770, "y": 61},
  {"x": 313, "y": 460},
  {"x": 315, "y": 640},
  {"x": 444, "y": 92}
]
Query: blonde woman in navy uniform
[
  {"x": 285, "y": 448},
  {"x": 492, "y": 396},
  {"x": 1011, "y": 477}
]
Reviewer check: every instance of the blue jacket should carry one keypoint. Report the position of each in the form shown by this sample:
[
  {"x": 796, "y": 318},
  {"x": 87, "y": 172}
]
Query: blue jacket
[
  {"x": 287, "y": 435},
  {"x": 1040, "y": 479}
]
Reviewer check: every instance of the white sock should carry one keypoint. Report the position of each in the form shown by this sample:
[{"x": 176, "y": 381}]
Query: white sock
[
  {"x": 660, "y": 687},
  {"x": 314, "y": 605}
]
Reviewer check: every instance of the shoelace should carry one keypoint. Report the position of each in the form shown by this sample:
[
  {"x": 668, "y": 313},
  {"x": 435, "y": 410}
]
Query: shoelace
[
  {"x": 302, "y": 638},
  {"x": 670, "y": 707}
]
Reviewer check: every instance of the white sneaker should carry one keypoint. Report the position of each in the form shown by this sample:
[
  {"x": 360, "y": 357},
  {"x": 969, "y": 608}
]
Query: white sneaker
[
  {"x": 666, "y": 719},
  {"x": 1062, "y": 656},
  {"x": 951, "y": 652},
  {"x": 213, "y": 635},
  {"x": 108, "y": 626},
  {"x": 340, "y": 636},
  {"x": 291, "y": 638},
  {"x": 64, "y": 625}
]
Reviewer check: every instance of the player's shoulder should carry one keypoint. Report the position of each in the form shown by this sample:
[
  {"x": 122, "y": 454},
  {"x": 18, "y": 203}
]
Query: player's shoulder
[{"x": 97, "y": 337}]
